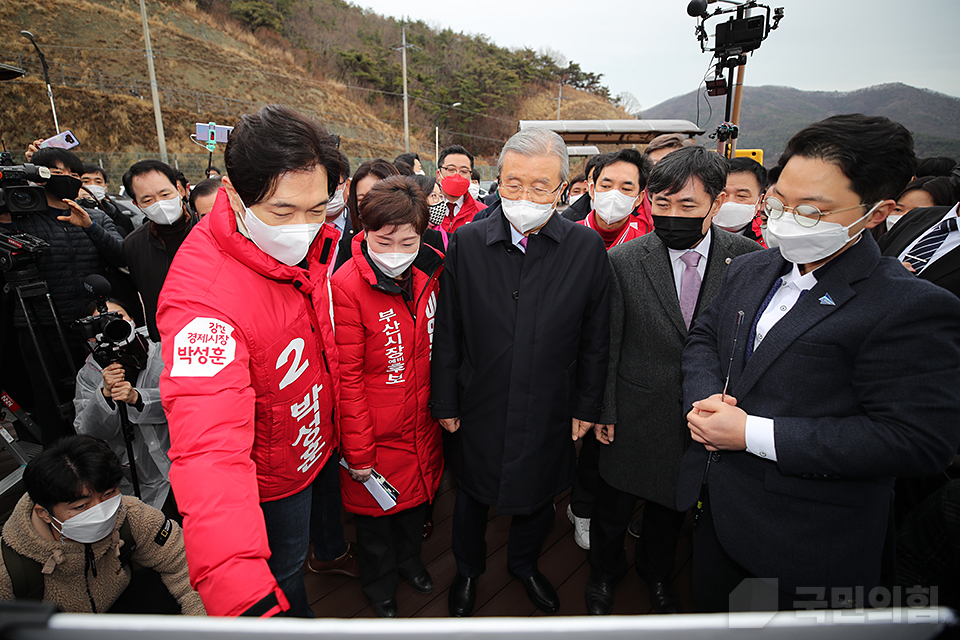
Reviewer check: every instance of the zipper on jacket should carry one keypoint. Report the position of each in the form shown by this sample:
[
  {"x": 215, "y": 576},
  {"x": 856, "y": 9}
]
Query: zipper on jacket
[
  {"x": 90, "y": 565},
  {"x": 420, "y": 296}
]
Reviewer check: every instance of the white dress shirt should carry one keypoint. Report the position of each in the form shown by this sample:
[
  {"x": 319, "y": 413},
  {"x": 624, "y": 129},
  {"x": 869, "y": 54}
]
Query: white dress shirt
[
  {"x": 516, "y": 237},
  {"x": 678, "y": 265},
  {"x": 759, "y": 431},
  {"x": 951, "y": 242},
  {"x": 456, "y": 209}
]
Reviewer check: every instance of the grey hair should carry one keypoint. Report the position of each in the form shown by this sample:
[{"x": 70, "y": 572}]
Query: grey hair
[{"x": 537, "y": 142}]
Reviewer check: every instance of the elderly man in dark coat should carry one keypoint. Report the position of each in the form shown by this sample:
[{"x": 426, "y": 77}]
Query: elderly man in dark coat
[
  {"x": 520, "y": 357},
  {"x": 643, "y": 430}
]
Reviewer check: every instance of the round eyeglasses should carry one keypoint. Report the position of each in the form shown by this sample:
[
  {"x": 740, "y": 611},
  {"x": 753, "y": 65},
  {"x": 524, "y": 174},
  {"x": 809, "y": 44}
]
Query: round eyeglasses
[{"x": 806, "y": 215}]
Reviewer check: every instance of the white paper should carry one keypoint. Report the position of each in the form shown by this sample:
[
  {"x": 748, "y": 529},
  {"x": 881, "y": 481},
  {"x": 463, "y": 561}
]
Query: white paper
[{"x": 384, "y": 499}]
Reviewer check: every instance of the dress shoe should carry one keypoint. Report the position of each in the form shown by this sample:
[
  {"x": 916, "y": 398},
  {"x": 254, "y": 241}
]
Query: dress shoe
[
  {"x": 599, "y": 595},
  {"x": 385, "y": 608},
  {"x": 428, "y": 529},
  {"x": 345, "y": 565},
  {"x": 421, "y": 583},
  {"x": 663, "y": 597},
  {"x": 636, "y": 527},
  {"x": 463, "y": 593},
  {"x": 541, "y": 592}
]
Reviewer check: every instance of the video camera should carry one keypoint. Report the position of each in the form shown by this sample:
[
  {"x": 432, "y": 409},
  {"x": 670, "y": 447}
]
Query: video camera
[
  {"x": 116, "y": 339},
  {"x": 17, "y": 196}
]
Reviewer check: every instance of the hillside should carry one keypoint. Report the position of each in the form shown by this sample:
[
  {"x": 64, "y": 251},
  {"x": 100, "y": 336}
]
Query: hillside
[{"x": 770, "y": 114}]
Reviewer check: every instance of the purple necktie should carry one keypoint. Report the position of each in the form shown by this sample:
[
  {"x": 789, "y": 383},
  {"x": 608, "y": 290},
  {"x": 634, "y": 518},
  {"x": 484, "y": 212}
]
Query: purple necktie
[
  {"x": 523, "y": 243},
  {"x": 689, "y": 286}
]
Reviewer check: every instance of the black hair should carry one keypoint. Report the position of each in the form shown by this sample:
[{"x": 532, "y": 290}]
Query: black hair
[
  {"x": 93, "y": 168},
  {"x": 206, "y": 172},
  {"x": 394, "y": 202},
  {"x": 51, "y": 157},
  {"x": 427, "y": 183},
  {"x": 630, "y": 156},
  {"x": 475, "y": 175},
  {"x": 749, "y": 165},
  {"x": 275, "y": 141},
  {"x": 938, "y": 166},
  {"x": 591, "y": 164},
  {"x": 90, "y": 308},
  {"x": 404, "y": 168},
  {"x": 406, "y": 158},
  {"x": 68, "y": 468},
  {"x": 182, "y": 179},
  {"x": 452, "y": 149},
  {"x": 873, "y": 152},
  {"x": 144, "y": 167},
  {"x": 377, "y": 167},
  {"x": 672, "y": 174},
  {"x": 204, "y": 188},
  {"x": 940, "y": 188},
  {"x": 773, "y": 175},
  {"x": 572, "y": 181}
]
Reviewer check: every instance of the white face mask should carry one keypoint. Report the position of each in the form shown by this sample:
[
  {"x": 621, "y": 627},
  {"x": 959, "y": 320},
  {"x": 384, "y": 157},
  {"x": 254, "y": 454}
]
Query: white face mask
[
  {"x": 392, "y": 264},
  {"x": 474, "y": 190},
  {"x": 164, "y": 211},
  {"x": 94, "y": 524},
  {"x": 572, "y": 199},
  {"x": 336, "y": 204},
  {"x": 286, "y": 243},
  {"x": 420, "y": 173},
  {"x": 804, "y": 245},
  {"x": 734, "y": 216},
  {"x": 892, "y": 220},
  {"x": 613, "y": 206},
  {"x": 98, "y": 190},
  {"x": 768, "y": 238},
  {"x": 525, "y": 215}
]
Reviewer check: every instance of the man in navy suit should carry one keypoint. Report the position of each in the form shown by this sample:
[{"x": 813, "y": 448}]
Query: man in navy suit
[{"x": 842, "y": 376}]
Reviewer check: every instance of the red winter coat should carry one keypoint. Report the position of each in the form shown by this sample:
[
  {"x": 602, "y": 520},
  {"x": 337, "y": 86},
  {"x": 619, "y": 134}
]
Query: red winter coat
[
  {"x": 385, "y": 350},
  {"x": 249, "y": 391},
  {"x": 469, "y": 209},
  {"x": 632, "y": 230}
]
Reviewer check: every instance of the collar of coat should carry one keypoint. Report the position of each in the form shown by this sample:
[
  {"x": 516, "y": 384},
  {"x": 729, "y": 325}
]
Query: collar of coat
[
  {"x": 223, "y": 226},
  {"x": 499, "y": 230},
  {"x": 428, "y": 260}
]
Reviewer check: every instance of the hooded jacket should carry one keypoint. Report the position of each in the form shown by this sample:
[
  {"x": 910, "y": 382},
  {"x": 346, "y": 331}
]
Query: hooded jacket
[
  {"x": 81, "y": 583},
  {"x": 249, "y": 390},
  {"x": 385, "y": 339}
]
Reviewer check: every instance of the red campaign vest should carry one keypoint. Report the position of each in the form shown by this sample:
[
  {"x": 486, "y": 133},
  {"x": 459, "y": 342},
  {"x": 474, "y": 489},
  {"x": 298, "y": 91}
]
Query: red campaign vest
[{"x": 632, "y": 230}]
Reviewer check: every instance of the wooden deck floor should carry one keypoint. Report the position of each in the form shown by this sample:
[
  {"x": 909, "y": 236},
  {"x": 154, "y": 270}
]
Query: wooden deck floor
[{"x": 562, "y": 562}]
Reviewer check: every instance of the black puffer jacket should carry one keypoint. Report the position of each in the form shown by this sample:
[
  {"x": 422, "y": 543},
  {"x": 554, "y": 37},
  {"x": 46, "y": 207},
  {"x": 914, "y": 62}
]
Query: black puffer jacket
[{"x": 74, "y": 253}]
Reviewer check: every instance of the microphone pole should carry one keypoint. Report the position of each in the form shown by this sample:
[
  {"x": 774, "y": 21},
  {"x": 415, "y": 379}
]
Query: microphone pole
[{"x": 46, "y": 77}]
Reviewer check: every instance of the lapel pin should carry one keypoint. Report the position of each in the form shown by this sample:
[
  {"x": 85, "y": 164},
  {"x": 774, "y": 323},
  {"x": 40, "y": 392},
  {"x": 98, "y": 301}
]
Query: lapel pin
[
  {"x": 729, "y": 260},
  {"x": 826, "y": 299}
]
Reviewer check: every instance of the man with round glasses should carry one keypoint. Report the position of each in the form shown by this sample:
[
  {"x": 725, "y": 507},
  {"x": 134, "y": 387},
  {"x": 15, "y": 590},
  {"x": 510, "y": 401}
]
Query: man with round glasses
[
  {"x": 454, "y": 170},
  {"x": 519, "y": 362},
  {"x": 818, "y": 374}
]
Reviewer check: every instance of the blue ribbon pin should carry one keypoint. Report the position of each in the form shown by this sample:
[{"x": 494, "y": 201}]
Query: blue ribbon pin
[{"x": 826, "y": 299}]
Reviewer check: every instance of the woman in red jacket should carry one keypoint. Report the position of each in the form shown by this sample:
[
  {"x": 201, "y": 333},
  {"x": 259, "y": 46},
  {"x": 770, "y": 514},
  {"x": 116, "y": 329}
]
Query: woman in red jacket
[{"x": 384, "y": 301}]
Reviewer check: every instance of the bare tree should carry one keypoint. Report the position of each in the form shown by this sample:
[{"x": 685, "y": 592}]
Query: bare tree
[{"x": 630, "y": 104}]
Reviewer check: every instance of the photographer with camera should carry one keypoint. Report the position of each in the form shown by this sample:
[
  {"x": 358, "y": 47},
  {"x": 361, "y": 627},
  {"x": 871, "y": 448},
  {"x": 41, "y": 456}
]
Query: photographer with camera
[
  {"x": 154, "y": 186},
  {"x": 81, "y": 242},
  {"x": 93, "y": 193},
  {"x": 100, "y": 389}
]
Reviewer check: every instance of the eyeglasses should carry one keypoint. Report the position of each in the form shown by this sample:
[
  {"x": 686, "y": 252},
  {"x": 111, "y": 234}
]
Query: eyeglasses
[
  {"x": 515, "y": 192},
  {"x": 806, "y": 215},
  {"x": 451, "y": 169}
]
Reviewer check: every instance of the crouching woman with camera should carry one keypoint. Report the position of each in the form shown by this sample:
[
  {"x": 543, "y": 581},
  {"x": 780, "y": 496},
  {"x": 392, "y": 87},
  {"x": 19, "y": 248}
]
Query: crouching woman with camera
[{"x": 385, "y": 299}]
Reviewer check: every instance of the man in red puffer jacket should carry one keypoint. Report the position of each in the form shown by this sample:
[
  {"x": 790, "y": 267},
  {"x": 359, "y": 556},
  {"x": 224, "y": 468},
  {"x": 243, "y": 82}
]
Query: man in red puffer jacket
[{"x": 252, "y": 381}]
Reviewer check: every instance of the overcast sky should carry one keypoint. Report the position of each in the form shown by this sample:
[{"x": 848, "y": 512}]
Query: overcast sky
[{"x": 648, "y": 48}]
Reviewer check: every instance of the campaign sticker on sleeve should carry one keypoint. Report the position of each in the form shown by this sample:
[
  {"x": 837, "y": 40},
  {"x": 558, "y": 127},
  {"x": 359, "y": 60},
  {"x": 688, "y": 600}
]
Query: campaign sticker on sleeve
[{"x": 203, "y": 348}]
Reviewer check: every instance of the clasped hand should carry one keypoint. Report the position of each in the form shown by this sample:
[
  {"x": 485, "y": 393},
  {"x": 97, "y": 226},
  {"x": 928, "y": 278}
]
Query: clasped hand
[{"x": 718, "y": 423}]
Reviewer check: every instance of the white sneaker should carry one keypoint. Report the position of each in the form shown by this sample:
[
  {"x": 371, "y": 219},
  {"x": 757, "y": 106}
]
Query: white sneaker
[{"x": 581, "y": 529}]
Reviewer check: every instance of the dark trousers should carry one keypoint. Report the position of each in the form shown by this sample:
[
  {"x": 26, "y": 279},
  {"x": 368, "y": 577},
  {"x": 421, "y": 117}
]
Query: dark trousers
[
  {"x": 527, "y": 533},
  {"x": 146, "y": 593},
  {"x": 656, "y": 548},
  {"x": 586, "y": 484},
  {"x": 288, "y": 532},
  {"x": 53, "y": 425},
  {"x": 388, "y": 546},
  {"x": 326, "y": 529}
]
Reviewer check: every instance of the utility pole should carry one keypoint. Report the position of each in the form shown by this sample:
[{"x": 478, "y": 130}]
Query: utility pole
[
  {"x": 153, "y": 84},
  {"x": 406, "y": 98},
  {"x": 559, "y": 99}
]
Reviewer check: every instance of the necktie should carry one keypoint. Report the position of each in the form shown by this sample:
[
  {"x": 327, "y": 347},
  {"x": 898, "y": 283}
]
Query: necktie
[
  {"x": 920, "y": 255},
  {"x": 452, "y": 207},
  {"x": 689, "y": 286},
  {"x": 523, "y": 243}
]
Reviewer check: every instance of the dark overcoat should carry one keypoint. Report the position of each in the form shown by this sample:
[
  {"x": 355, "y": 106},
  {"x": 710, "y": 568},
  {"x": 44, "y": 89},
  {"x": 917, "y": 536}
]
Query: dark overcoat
[
  {"x": 644, "y": 395},
  {"x": 520, "y": 348},
  {"x": 860, "y": 380}
]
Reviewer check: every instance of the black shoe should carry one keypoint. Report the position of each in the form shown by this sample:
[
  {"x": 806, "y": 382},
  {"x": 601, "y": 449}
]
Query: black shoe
[
  {"x": 663, "y": 596},
  {"x": 385, "y": 608},
  {"x": 599, "y": 597},
  {"x": 541, "y": 592},
  {"x": 636, "y": 527},
  {"x": 421, "y": 583},
  {"x": 463, "y": 593}
]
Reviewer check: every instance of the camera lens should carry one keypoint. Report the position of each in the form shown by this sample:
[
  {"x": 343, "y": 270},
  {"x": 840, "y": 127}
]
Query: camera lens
[
  {"x": 25, "y": 200},
  {"x": 117, "y": 331}
]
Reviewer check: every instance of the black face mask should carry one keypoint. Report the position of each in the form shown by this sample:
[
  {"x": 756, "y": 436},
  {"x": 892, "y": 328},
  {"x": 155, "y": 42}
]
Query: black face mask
[
  {"x": 679, "y": 233},
  {"x": 63, "y": 187}
]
